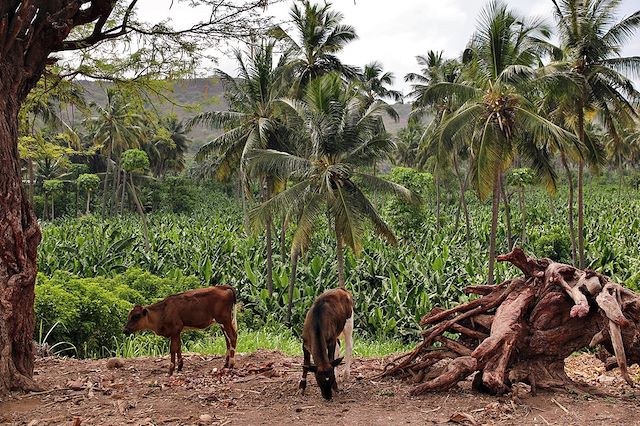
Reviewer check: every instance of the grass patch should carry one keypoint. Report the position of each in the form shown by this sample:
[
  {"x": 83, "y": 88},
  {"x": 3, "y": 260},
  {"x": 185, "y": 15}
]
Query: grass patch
[{"x": 213, "y": 342}]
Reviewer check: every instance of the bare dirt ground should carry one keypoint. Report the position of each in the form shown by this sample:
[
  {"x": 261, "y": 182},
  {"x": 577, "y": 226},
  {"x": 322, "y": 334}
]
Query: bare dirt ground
[{"x": 263, "y": 390}]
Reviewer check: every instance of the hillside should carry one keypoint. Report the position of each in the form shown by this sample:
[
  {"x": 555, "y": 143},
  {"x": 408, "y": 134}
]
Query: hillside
[{"x": 207, "y": 94}]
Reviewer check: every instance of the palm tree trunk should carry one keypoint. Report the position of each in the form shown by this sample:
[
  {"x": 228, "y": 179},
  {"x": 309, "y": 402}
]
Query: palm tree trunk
[
  {"x": 523, "y": 217},
  {"x": 283, "y": 237},
  {"x": 463, "y": 200},
  {"x": 88, "y": 201},
  {"x": 340, "y": 258},
  {"x": 292, "y": 283},
  {"x": 507, "y": 212},
  {"x": 243, "y": 195},
  {"x": 267, "y": 193},
  {"x": 53, "y": 208},
  {"x": 581, "y": 137},
  {"x": 145, "y": 227},
  {"x": 572, "y": 232},
  {"x": 581, "y": 214},
  {"x": 113, "y": 207},
  {"x": 124, "y": 186},
  {"x": 437, "y": 201},
  {"x": 495, "y": 207},
  {"x": 106, "y": 181}
]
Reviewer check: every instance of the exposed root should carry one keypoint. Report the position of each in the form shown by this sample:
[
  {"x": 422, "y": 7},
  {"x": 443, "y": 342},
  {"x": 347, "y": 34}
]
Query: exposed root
[{"x": 523, "y": 329}]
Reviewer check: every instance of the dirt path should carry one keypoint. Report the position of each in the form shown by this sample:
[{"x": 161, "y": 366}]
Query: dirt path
[{"x": 263, "y": 390}]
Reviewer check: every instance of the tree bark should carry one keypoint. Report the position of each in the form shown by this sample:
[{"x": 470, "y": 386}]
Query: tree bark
[
  {"x": 581, "y": 257},
  {"x": 340, "y": 258},
  {"x": 581, "y": 137},
  {"x": 143, "y": 217},
  {"x": 106, "y": 181},
  {"x": 19, "y": 239},
  {"x": 295, "y": 254},
  {"x": 124, "y": 180},
  {"x": 88, "y": 201},
  {"x": 269, "y": 239},
  {"x": 523, "y": 217},
  {"x": 495, "y": 207},
  {"x": 507, "y": 212},
  {"x": 572, "y": 231},
  {"x": 437, "y": 182}
]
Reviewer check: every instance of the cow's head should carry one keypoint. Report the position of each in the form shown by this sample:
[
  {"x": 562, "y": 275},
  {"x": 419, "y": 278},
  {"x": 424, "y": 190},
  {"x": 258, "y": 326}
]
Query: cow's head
[
  {"x": 326, "y": 378},
  {"x": 137, "y": 320}
]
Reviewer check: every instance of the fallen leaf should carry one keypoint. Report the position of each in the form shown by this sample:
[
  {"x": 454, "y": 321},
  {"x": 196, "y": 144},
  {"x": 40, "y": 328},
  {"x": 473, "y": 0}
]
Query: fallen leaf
[{"x": 463, "y": 418}]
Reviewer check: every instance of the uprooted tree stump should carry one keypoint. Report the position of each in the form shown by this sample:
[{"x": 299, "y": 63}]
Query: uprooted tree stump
[{"x": 523, "y": 329}]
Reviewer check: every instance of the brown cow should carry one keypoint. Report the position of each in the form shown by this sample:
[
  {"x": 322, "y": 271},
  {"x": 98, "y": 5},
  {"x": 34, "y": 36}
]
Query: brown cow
[
  {"x": 192, "y": 309},
  {"x": 330, "y": 316}
]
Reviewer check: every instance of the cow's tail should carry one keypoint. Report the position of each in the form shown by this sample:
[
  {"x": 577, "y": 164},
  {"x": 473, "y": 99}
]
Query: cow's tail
[{"x": 234, "y": 322}]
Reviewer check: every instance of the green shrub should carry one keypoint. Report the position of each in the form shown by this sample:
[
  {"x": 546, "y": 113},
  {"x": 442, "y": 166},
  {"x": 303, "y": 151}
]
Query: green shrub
[
  {"x": 554, "y": 245},
  {"x": 93, "y": 311}
]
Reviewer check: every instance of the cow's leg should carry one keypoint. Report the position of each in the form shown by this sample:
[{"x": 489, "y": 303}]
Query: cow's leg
[
  {"x": 348, "y": 345},
  {"x": 231, "y": 338},
  {"x": 179, "y": 353},
  {"x": 174, "y": 348},
  {"x": 333, "y": 349},
  {"x": 233, "y": 341},
  {"x": 305, "y": 369}
]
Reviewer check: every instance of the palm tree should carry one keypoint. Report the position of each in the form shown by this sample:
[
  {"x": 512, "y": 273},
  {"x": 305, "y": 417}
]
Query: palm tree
[
  {"x": 591, "y": 39},
  {"x": 168, "y": 146},
  {"x": 497, "y": 114},
  {"x": 251, "y": 123},
  {"x": 342, "y": 136},
  {"x": 436, "y": 70},
  {"x": 117, "y": 126},
  {"x": 318, "y": 37},
  {"x": 374, "y": 82}
]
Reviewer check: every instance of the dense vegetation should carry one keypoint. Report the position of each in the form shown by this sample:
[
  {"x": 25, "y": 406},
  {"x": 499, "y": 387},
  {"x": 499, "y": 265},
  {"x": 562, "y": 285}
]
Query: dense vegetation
[
  {"x": 92, "y": 271},
  {"x": 302, "y": 188}
]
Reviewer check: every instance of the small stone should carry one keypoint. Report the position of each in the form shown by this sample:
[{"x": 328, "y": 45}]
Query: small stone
[
  {"x": 206, "y": 418},
  {"x": 33, "y": 423},
  {"x": 115, "y": 363},
  {"x": 75, "y": 384}
]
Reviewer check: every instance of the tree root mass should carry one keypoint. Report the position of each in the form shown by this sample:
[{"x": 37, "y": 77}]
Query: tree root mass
[{"x": 523, "y": 329}]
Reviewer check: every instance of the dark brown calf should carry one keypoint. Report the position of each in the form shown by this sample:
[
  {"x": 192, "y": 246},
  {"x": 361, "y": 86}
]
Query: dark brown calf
[
  {"x": 330, "y": 316},
  {"x": 192, "y": 309}
]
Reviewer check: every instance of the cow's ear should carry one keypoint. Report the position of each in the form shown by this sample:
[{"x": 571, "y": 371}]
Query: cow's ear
[
  {"x": 145, "y": 312},
  {"x": 336, "y": 362},
  {"x": 311, "y": 368}
]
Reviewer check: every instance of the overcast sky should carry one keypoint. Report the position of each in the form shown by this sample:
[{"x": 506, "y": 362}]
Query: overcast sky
[{"x": 395, "y": 31}]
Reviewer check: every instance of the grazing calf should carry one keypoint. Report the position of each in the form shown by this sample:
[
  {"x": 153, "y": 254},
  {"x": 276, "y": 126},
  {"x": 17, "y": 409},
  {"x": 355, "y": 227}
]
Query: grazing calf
[
  {"x": 330, "y": 316},
  {"x": 192, "y": 309}
]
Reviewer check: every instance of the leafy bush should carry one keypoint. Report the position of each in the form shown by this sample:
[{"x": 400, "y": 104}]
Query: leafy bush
[
  {"x": 135, "y": 161},
  {"x": 404, "y": 216},
  {"x": 178, "y": 195},
  {"x": 554, "y": 245}
]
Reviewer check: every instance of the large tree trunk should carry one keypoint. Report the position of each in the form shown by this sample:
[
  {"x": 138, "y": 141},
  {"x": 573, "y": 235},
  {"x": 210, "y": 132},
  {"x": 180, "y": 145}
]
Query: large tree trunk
[{"x": 19, "y": 239}]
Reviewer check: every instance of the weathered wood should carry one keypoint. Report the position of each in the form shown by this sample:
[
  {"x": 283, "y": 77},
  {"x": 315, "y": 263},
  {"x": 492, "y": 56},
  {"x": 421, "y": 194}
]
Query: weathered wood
[{"x": 534, "y": 323}]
